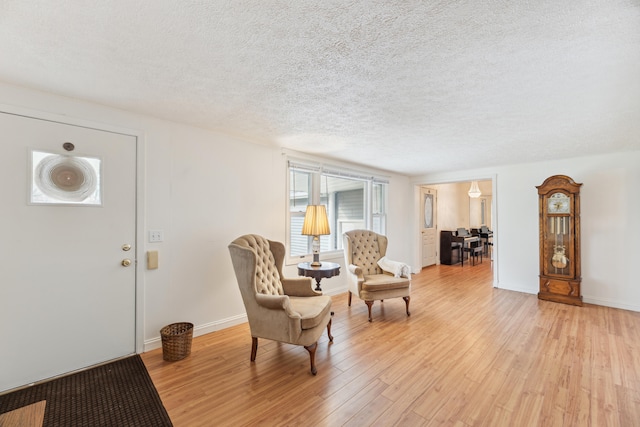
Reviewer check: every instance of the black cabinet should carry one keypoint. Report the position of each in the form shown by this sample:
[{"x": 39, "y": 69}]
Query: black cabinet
[{"x": 450, "y": 249}]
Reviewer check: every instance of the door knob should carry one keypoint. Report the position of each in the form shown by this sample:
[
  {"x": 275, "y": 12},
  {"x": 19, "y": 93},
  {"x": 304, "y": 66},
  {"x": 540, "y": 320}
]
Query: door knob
[{"x": 126, "y": 262}]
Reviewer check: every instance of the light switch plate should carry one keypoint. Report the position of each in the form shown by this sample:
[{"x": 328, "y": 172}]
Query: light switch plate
[{"x": 152, "y": 260}]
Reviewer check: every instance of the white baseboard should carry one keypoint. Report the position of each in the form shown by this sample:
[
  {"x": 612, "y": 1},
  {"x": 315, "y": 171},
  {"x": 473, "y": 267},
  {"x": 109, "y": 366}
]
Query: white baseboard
[
  {"x": 198, "y": 330},
  {"x": 156, "y": 342},
  {"x": 523, "y": 290},
  {"x": 587, "y": 299},
  {"x": 609, "y": 303},
  {"x": 336, "y": 291}
]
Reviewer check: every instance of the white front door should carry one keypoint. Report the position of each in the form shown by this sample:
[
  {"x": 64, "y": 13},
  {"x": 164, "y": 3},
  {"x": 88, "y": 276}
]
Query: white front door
[
  {"x": 429, "y": 200},
  {"x": 66, "y": 299}
]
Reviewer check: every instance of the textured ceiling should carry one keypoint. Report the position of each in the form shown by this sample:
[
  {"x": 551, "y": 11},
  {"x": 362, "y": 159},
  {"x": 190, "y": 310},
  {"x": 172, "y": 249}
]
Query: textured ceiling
[{"x": 406, "y": 86}]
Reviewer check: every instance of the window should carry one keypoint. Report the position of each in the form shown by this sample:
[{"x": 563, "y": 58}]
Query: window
[
  {"x": 299, "y": 196},
  {"x": 353, "y": 201},
  {"x": 378, "y": 209}
]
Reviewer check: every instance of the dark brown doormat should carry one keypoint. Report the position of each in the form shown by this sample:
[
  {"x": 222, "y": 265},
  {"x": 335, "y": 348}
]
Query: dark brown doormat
[{"x": 116, "y": 394}]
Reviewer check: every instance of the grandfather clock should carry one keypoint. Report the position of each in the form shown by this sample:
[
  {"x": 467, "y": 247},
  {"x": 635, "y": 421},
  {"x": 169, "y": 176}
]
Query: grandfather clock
[{"x": 559, "y": 210}]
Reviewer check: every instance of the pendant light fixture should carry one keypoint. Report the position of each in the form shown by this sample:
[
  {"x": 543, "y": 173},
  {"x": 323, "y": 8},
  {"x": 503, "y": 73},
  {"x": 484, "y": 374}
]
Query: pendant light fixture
[{"x": 474, "y": 191}]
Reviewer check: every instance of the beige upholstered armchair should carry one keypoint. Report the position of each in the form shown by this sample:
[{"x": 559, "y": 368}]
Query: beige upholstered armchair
[
  {"x": 362, "y": 251},
  {"x": 279, "y": 309}
]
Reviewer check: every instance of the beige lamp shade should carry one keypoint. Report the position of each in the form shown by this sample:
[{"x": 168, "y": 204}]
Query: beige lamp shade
[{"x": 316, "y": 222}]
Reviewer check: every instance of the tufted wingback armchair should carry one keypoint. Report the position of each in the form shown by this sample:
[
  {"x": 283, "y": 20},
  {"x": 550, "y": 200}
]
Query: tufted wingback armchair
[
  {"x": 278, "y": 308},
  {"x": 362, "y": 251}
]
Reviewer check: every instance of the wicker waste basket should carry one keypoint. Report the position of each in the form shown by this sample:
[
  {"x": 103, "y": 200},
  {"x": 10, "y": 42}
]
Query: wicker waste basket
[{"x": 176, "y": 341}]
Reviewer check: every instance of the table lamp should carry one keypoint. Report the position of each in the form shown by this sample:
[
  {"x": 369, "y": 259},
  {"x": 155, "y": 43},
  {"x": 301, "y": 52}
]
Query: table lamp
[{"x": 316, "y": 224}]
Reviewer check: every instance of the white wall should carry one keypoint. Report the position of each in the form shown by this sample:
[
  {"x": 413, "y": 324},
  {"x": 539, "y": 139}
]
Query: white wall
[
  {"x": 610, "y": 208},
  {"x": 203, "y": 189}
]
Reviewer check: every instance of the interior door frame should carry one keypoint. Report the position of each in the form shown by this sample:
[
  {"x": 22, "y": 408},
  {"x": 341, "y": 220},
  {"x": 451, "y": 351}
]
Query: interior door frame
[
  {"x": 462, "y": 177},
  {"x": 140, "y": 213},
  {"x": 434, "y": 218}
]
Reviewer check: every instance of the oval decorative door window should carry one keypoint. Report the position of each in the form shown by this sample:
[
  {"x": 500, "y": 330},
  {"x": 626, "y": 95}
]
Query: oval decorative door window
[{"x": 428, "y": 211}]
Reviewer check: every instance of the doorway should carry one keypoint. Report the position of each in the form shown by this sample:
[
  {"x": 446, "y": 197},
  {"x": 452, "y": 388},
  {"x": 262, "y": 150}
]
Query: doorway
[{"x": 455, "y": 209}]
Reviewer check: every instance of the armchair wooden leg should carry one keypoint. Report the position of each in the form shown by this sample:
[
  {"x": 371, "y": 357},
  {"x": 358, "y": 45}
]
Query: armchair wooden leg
[
  {"x": 329, "y": 330},
  {"x": 254, "y": 348},
  {"x": 312, "y": 356},
  {"x": 369, "y": 304},
  {"x": 349, "y": 298},
  {"x": 406, "y": 300}
]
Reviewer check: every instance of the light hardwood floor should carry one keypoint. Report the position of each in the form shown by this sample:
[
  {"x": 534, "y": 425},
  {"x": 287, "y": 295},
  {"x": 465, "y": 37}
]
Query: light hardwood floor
[{"x": 469, "y": 355}]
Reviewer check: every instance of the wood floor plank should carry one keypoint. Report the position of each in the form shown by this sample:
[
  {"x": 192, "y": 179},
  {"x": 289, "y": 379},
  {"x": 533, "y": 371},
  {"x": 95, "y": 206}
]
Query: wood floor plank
[
  {"x": 469, "y": 355},
  {"x": 362, "y": 399},
  {"x": 27, "y": 416}
]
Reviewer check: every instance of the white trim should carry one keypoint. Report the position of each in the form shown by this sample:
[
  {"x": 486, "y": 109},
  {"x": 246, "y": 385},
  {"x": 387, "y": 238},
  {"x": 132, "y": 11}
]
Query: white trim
[
  {"x": 207, "y": 328},
  {"x": 303, "y": 167},
  {"x": 335, "y": 169},
  {"x": 75, "y": 121},
  {"x": 336, "y": 291},
  {"x": 605, "y": 302},
  {"x": 417, "y": 241},
  {"x": 141, "y": 215},
  {"x": 515, "y": 289}
]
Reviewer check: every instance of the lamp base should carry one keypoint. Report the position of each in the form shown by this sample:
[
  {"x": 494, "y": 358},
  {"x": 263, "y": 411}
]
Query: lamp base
[{"x": 316, "y": 261}]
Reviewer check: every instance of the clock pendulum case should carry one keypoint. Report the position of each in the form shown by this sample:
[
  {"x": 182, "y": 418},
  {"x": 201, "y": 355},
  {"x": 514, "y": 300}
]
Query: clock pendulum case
[{"x": 559, "y": 210}]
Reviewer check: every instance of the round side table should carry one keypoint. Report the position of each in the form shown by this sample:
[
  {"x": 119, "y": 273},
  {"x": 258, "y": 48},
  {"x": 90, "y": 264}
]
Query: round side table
[{"x": 326, "y": 270}]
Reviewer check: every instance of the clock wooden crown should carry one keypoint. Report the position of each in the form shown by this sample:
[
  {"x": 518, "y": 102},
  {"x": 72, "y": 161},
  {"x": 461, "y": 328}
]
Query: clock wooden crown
[
  {"x": 559, "y": 212},
  {"x": 558, "y": 182}
]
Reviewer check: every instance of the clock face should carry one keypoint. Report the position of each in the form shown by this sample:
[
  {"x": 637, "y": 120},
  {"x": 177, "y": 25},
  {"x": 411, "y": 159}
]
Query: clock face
[{"x": 558, "y": 203}]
